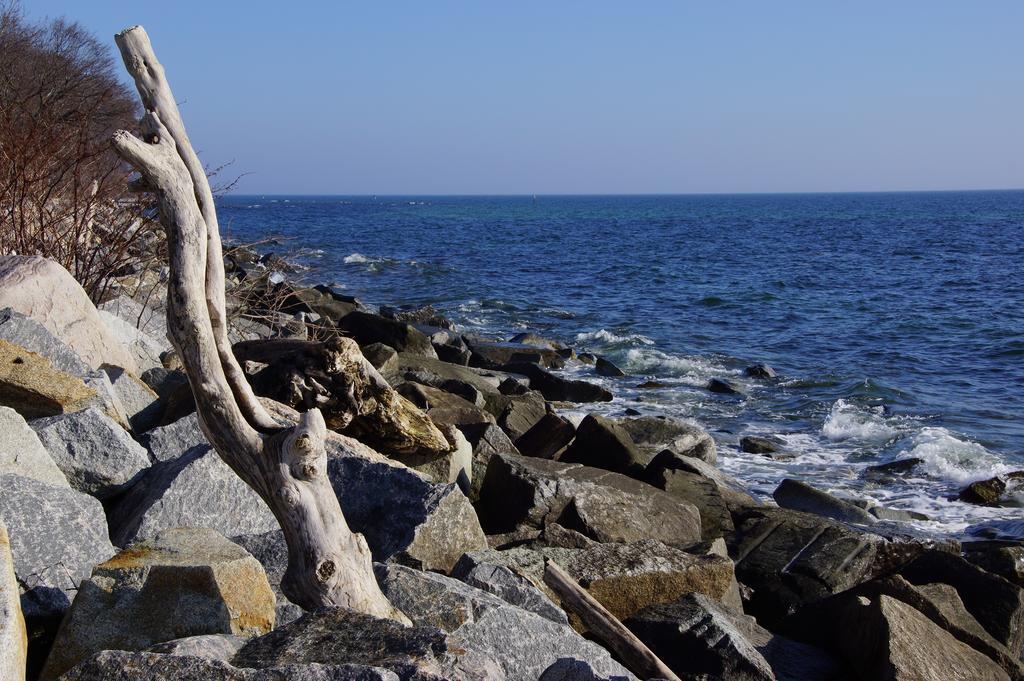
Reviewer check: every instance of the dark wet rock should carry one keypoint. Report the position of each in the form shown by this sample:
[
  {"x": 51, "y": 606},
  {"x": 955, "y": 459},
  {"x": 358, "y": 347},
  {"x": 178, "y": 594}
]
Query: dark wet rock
[
  {"x": 444, "y": 407},
  {"x": 514, "y": 386},
  {"x": 882, "y": 637},
  {"x": 630, "y": 411},
  {"x": 116, "y": 665},
  {"x": 604, "y": 443},
  {"x": 486, "y": 439},
  {"x": 95, "y": 453},
  {"x": 556, "y": 388},
  {"x": 994, "y": 491},
  {"x": 164, "y": 382},
  {"x": 547, "y": 437},
  {"x": 651, "y": 385},
  {"x": 368, "y": 328},
  {"x": 799, "y": 496},
  {"x": 384, "y": 358},
  {"x": 702, "y": 493},
  {"x": 497, "y": 355},
  {"x": 575, "y": 670},
  {"x": 1000, "y": 558},
  {"x": 660, "y": 471},
  {"x": 57, "y": 535},
  {"x": 403, "y": 516},
  {"x": 453, "y": 353},
  {"x": 536, "y": 341},
  {"x": 696, "y": 636},
  {"x": 724, "y": 387},
  {"x": 587, "y": 357},
  {"x": 183, "y": 582},
  {"x": 997, "y": 604},
  {"x": 166, "y": 443},
  {"x": 762, "y": 371},
  {"x": 522, "y": 643},
  {"x": 426, "y": 315},
  {"x": 892, "y": 469},
  {"x": 603, "y": 505},
  {"x": 789, "y": 558},
  {"x": 653, "y": 434},
  {"x": 896, "y": 515},
  {"x": 605, "y": 367},
  {"x": 270, "y": 549},
  {"x": 757, "y": 445},
  {"x": 197, "y": 489}
]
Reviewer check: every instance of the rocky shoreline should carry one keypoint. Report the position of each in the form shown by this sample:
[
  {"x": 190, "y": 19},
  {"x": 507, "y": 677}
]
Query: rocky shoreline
[{"x": 138, "y": 554}]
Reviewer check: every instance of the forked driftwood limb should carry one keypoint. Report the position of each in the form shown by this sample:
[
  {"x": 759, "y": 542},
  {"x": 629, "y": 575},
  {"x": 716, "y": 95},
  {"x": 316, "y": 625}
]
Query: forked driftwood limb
[
  {"x": 631, "y": 651},
  {"x": 328, "y": 564}
]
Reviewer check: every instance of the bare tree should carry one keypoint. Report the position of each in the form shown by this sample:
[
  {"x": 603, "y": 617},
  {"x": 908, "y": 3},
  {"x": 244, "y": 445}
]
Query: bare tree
[
  {"x": 328, "y": 564},
  {"x": 63, "y": 192}
]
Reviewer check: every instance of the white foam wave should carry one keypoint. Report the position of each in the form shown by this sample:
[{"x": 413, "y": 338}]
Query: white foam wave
[
  {"x": 607, "y": 337},
  {"x": 356, "y": 258},
  {"x": 949, "y": 458},
  {"x": 847, "y": 421}
]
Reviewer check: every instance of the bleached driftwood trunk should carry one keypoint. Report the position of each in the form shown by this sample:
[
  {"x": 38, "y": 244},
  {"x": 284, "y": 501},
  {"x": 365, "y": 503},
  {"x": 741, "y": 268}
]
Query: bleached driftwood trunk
[{"x": 328, "y": 564}]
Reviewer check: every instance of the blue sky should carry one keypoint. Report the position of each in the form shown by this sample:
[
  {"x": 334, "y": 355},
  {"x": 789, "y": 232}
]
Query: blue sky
[{"x": 592, "y": 97}]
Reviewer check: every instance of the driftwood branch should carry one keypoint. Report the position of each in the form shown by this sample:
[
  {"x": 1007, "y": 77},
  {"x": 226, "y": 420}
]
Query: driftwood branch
[
  {"x": 328, "y": 564},
  {"x": 634, "y": 654}
]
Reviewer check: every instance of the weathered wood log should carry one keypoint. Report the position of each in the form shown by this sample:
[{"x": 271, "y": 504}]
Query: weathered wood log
[
  {"x": 334, "y": 377},
  {"x": 631, "y": 651},
  {"x": 328, "y": 564}
]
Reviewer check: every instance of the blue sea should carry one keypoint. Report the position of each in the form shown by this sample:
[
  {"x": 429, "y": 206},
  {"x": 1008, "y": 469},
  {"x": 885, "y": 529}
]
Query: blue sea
[{"x": 894, "y": 320}]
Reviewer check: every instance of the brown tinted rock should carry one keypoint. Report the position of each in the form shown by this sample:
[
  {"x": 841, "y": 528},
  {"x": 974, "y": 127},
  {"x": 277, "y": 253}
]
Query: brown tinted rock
[
  {"x": 653, "y": 434},
  {"x": 183, "y": 582},
  {"x": 384, "y": 358},
  {"x": 33, "y": 387},
  {"x": 495, "y": 355},
  {"x": 520, "y": 413},
  {"x": 757, "y": 445}
]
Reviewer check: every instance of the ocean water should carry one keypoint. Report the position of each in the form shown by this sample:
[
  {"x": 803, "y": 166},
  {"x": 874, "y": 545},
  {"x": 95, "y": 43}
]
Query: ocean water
[{"x": 895, "y": 320}]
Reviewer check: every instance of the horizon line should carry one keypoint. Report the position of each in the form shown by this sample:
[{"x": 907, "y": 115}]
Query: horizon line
[{"x": 641, "y": 194}]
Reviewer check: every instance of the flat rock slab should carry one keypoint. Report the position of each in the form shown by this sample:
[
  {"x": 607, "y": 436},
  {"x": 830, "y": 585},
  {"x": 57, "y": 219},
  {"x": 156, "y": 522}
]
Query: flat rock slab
[
  {"x": 603, "y": 505},
  {"x": 57, "y": 536},
  {"x": 799, "y": 496},
  {"x": 94, "y": 452},
  {"x": 195, "y": 490},
  {"x": 21, "y": 452},
  {"x": 32, "y": 386},
  {"x": 182, "y": 582}
]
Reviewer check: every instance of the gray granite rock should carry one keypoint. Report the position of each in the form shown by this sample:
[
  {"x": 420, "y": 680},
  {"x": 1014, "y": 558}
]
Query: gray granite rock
[
  {"x": 28, "y": 333},
  {"x": 575, "y": 670},
  {"x": 183, "y": 582},
  {"x": 144, "y": 348},
  {"x": 168, "y": 442},
  {"x": 57, "y": 536},
  {"x": 195, "y": 490},
  {"x": 403, "y": 516},
  {"x": 522, "y": 643},
  {"x": 603, "y": 505},
  {"x": 509, "y": 586},
  {"x": 142, "y": 406},
  {"x": 116, "y": 665},
  {"x": 21, "y": 453},
  {"x": 13, "y": 634},
  {"x": 486, "y": 440},
  {"x": 207, "y": 646},
  {"x": 270, "y": 549},
  {"x": 799, "y": 496},
  {"x": 95, "y": 453}
]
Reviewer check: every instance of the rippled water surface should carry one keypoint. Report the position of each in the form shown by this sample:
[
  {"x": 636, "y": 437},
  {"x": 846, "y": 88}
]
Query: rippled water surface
[{"x": 895, "y": 321}]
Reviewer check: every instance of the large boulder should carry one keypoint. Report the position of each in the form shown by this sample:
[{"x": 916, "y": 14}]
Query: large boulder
[
  {"x": 331, "y": 636},
  {"x": 603, "y": 505},
  {"x": 547, "y": 437},
  {"x": 884, "y": 638},
  {"x": 486, "y": 440},
  {"x": 270, "y": 549},
  {"x": 143, "y": 348},
  {"x": 367, "y": 328},
  {"x": 13, "y": 635},
  {"x": 26, "y": 332},
  {"x": 603, "y": 443},
  {"x": 669, "y": 469},
  {"x": 168, "y": 442},
  {"x": 517, "y": 414},
  {"x": 182, "y": 582},
  {"x": 508, "y": 585},
  {"x": 521, "y": 643},
  {"x": 702, "y": 493},
  {"x": 625, "y": 578},
  {"x": 789, "y": 558},
  {"x": 21, "y": 452},
  {"x": 142, "y": 405},
  {"x": 195, "y": 490},
  {"x": 95, "y": 453},
  {"x": 495, "y": 354},
  {"x": 996, "y": 603},
  {"x": 402, "y": 515},
  {"x": 45, "y": 291},
  {"x": 57, "y": 535},
  {"x": 557, "y": 388},
  {"x": 653, "y": 434},
  {"x": 800, "y": 496}
]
